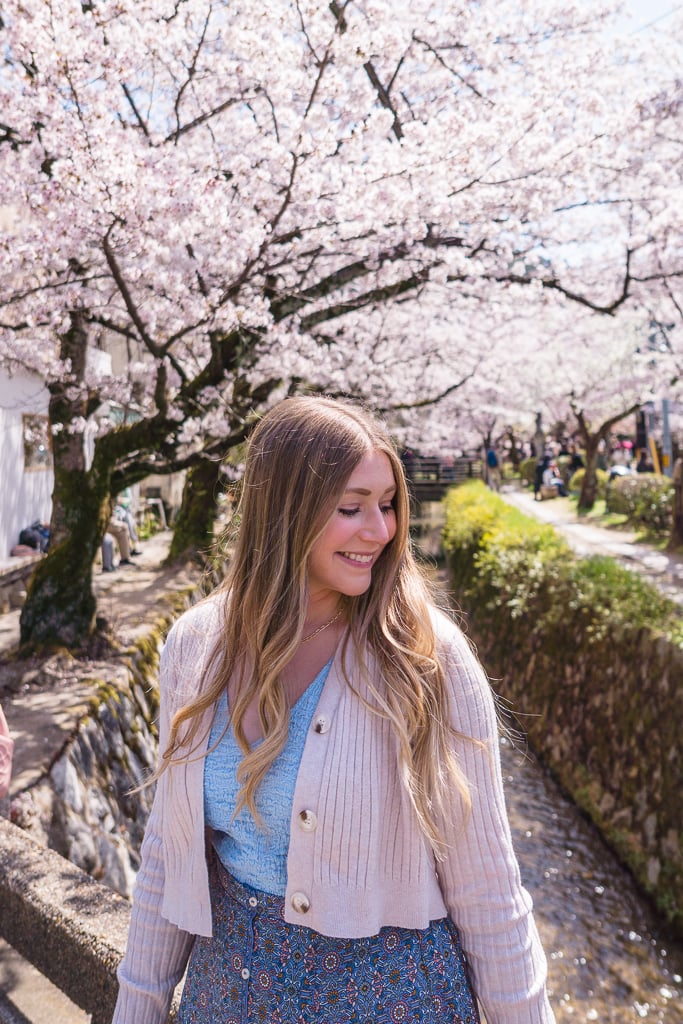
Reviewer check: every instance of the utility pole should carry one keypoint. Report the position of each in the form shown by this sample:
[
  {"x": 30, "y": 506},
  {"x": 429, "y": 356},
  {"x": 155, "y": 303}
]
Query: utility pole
[{"x": 667, "y": 451}]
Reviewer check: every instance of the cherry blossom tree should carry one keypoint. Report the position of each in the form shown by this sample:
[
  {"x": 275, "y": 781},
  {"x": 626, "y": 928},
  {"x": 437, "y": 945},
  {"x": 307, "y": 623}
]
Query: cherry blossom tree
[
  {"x": 237, "y": 201},
  {"x": 595, "y": 372}
]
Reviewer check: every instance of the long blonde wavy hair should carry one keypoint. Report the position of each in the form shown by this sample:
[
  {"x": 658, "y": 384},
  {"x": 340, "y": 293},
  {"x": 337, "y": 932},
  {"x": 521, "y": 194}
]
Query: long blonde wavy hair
[{"x": 299, "y": 459}]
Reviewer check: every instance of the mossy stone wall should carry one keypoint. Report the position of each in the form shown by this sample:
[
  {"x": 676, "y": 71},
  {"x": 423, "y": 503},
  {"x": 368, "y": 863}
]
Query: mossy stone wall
[
  {"x": 83, "y": 807},
  {"x": 604, "y": 713}
]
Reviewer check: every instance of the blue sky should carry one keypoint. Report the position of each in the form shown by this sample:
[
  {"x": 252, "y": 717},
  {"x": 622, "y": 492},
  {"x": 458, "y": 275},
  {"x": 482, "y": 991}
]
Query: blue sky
[{"x": 648, "y": 11}]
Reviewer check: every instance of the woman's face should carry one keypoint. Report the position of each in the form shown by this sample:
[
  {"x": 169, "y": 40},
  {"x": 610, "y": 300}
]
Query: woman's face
[{"x": 359, "y": 529}]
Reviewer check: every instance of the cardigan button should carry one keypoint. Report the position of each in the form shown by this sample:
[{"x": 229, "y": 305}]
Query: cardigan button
[
  {"x": 322, "y": 724},
  {"x": 308, "y": 821},
  {"x": 300, "y": 902}
]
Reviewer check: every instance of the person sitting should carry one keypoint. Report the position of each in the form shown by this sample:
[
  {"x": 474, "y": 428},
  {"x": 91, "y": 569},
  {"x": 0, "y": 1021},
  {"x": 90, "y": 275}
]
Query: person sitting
[
  {"x": 552, "y": 478},
  {"x": 119, "y": 532},
  {"x": 124, "y": 515},
  {"x": 107, "y": 550},
  {"x": 36, "y": 536}
]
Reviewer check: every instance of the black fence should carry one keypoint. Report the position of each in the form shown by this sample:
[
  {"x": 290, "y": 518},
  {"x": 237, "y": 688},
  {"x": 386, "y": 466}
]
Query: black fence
[{"x": 429, "y": 477}]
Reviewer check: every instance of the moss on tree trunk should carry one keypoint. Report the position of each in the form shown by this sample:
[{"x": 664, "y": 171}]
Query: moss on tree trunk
[
  {"x": 193, "y": 531},
  {"x": 60, "y": 602}
]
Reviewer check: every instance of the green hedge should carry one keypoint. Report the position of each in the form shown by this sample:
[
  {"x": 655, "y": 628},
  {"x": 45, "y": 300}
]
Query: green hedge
[
  {"x": 527, "y": 470},
  {"x": 590, "y": 658},
  {"x": 576, "y": 482},
  {"x": 527, "y": 568}
]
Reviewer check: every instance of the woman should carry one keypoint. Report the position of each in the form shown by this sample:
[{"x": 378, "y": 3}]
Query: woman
[
  {"x": 329, "y": 831},
  {"x": 552, "y": 478}
]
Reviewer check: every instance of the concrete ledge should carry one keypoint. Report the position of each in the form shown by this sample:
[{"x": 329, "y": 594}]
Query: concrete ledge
[
  {"x": 69, "y": 926},
  {"x": 14, "y": 576}
]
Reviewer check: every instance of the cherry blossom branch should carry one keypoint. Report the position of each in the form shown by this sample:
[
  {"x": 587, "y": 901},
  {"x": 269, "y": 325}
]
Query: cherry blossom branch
[
  {"x": 375, "y": 295},
  {"x": 428, "y": 400},
  {"x": 136, "y": 113},
  {"x": 369, "y": 68},
  {"x": 112, "y": 263}
]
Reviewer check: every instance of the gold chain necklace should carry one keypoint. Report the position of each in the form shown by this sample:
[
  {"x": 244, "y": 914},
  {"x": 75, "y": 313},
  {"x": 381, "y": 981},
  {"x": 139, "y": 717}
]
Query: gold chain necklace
[{"x": 321, "y": 628}]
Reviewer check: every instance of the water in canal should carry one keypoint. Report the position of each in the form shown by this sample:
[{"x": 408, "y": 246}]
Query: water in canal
[{"x": 609, "y": 958}]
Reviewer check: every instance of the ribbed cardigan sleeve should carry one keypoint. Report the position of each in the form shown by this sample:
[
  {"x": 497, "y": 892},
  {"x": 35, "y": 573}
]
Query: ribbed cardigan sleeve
[
  {"x": 480, "y": 877},
  {"x": 157, "y": 951}
]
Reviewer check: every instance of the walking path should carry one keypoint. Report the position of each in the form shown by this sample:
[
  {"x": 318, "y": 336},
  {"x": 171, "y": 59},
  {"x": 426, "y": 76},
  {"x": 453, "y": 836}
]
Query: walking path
[
  {"x": 662, "y": 568},
  {"x": 43, "y": 698}
]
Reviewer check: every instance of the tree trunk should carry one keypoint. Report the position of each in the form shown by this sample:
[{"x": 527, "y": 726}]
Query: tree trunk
[
  {"x": 193, "y": 531},
  {"x": 591, "y": 442},
  {"x": 60, "y": 603},
  {"x": 589, "y": 487}
]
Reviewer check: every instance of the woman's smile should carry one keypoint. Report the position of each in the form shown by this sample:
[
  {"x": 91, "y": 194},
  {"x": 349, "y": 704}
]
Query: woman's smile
[{"x": 357, "y": 533}]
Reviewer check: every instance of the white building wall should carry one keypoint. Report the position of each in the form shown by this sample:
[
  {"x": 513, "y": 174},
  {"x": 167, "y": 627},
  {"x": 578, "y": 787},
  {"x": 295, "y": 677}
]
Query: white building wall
[{"x": 25, "y": 494}]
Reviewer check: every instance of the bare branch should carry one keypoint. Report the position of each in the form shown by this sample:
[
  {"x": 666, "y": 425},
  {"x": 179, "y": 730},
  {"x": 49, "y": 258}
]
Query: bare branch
[
  {"x": 136, "y": 113},
  {"x": 430, "y": 400},
  {"x": 369, "y": 68},
  {"x": 379, "y": 294},
  {"x": 190, "y": 75},
  {"x": 121, "y": 284}
]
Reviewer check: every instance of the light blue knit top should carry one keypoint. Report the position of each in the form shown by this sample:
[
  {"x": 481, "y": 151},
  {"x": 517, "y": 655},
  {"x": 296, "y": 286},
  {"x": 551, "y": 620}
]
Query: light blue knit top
[{"x": 256, "y": 856}]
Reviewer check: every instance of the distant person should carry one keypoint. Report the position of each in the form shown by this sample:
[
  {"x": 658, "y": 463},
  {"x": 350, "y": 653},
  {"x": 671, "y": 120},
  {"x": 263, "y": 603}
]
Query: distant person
[
  {"x": 123, "y": 513},
  {"x": 36, "y": 536},
  {"x": 119, "y": 531},
  {"x": 575, "y": 460},
  {"x": 492, "y": 469},
  {"x": 6, "y": 754},
  {"x": 552, "y": 478},
  {"x": 328, "y": 839},
  {"x": 644, "y": 465},
  {"x": 540, "y": 469}
]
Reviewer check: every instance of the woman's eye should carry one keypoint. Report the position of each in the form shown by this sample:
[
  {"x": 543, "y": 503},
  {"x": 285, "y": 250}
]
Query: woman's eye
[
  {"x": 348, "y": 511},
  {"x": 387, "y": 509}
]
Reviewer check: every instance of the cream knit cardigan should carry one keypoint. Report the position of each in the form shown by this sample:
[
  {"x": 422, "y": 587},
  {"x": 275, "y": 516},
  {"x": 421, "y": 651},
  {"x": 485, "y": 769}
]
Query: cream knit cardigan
[{"x": 364, "y": 864}]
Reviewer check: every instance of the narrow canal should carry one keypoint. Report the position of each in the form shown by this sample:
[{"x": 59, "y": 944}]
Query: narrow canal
[{"x": 609, "y": 958}]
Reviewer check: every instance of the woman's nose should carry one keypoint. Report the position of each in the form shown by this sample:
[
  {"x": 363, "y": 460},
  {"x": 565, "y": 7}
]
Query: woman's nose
[{"x": 376, "y": 528}]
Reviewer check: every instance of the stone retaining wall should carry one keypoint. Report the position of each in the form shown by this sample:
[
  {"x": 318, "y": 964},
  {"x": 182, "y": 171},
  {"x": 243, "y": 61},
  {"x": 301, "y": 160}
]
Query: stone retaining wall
[
  {"x": 83, "y": 806},
  {"x": 62, "y": 907},
  {"x": 605, "y": 715}
]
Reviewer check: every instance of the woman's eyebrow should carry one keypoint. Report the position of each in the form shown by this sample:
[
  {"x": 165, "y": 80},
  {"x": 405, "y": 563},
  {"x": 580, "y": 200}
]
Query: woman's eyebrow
[{"x": 365, "y": 492}]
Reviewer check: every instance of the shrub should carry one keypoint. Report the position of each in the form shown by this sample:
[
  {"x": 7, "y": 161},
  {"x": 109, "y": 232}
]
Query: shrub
[
  {"x": 576, "y": 482},
  {"x": 527, "y": 469},
  {"x": 579, "y": 648},
  {"x": 528, "y": 568},
  {"x": 646, "y": 499}
]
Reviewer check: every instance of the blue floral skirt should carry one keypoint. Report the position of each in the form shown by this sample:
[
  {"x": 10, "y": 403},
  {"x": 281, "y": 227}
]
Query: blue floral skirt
[{"x": 257, "y": 967}]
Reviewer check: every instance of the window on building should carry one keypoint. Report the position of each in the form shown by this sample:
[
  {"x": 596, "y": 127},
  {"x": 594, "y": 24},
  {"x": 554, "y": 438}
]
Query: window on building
[{"x": 37, "y": 449}]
